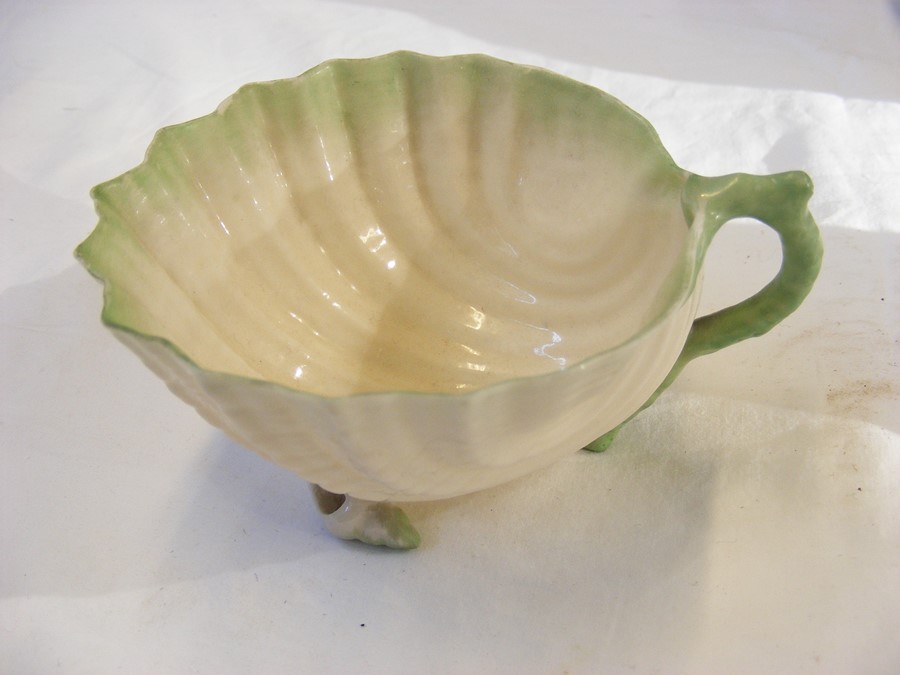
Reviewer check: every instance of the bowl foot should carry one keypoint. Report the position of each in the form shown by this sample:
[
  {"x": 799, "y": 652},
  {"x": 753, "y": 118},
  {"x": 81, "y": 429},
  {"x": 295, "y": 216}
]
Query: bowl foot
[
  {"x": 603, "y": 442},
  {"x": 377, "y": 523}
]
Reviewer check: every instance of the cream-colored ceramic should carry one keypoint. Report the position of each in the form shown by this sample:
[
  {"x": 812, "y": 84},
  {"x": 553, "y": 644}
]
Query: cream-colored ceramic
[{"x": 410, "y": 278}]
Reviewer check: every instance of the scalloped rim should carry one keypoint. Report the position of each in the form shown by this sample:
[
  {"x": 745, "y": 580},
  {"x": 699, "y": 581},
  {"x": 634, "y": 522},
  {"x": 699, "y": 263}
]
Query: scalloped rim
[{"x": 684, "y": 278}]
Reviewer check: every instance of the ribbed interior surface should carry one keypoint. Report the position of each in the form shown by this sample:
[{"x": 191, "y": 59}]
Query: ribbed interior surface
[{"x": 401, "y": 223}]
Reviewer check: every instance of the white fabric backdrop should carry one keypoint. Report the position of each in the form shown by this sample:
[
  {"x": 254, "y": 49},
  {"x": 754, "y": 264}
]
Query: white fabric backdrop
[{"x": 749, "y": 521}]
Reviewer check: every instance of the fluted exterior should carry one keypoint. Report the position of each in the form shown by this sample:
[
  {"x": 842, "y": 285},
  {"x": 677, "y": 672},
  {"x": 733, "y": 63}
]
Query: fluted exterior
[{"x": 404, "y": 277}]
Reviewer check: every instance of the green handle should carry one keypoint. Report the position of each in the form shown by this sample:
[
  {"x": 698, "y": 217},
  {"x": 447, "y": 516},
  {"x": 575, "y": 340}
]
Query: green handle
[{"x": 780, "y": 201}]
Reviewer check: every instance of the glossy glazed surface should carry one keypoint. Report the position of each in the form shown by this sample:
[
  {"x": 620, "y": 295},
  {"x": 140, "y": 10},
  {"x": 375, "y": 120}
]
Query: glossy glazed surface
[
  {"x": 404, "y": 224},
  {"x": 428, "y": 232}
]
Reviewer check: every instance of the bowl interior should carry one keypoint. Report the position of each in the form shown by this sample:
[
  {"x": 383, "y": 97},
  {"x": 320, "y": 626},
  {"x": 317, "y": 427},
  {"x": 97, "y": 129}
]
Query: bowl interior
[{"x": 399, "y": 223}]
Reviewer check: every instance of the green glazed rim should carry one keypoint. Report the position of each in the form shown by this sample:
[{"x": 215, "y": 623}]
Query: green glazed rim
[{"x": 779, "y": 201}]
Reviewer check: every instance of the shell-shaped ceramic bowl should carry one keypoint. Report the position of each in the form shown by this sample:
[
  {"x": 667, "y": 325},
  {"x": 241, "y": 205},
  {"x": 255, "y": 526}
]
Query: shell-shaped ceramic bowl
[{"x": 410, "y": 278}]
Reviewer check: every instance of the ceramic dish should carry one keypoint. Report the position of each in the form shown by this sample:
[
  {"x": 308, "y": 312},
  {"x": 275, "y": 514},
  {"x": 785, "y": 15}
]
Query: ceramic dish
[{"x": 410, "y": 278}]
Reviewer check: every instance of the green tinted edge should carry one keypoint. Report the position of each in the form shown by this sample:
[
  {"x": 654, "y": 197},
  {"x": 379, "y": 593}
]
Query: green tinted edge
[{"x": 116, "y": 310}]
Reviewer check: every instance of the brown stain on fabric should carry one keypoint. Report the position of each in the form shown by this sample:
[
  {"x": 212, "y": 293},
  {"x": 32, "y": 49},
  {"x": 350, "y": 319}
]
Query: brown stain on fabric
[{"x": 857, "y": 395}]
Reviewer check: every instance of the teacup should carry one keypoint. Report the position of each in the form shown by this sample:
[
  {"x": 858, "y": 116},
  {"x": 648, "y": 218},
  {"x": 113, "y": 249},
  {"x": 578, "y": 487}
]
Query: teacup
[{"x": 411, "y": 278}]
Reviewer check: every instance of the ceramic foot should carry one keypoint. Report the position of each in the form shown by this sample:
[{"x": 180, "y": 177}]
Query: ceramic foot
[
  {"x": 377, "y": 523},
  {"x": 603, "y": 442}
]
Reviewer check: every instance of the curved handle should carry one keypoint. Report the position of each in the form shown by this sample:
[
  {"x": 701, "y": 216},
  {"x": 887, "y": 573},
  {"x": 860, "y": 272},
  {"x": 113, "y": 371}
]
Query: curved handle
[{"x": 780, "y": 201}]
